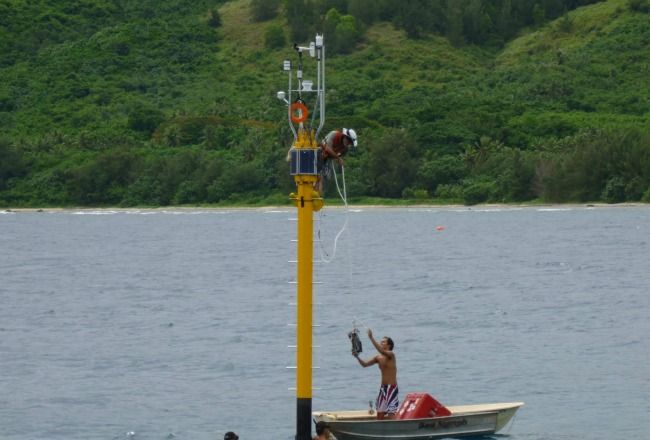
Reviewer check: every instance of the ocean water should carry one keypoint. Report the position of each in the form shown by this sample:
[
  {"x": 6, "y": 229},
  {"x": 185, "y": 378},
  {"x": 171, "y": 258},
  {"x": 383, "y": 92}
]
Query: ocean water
[{"x": 175, "y": 324}]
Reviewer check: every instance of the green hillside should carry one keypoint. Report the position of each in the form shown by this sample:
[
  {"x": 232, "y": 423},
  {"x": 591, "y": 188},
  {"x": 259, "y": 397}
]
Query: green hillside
[{"x": 173, "y": 102}]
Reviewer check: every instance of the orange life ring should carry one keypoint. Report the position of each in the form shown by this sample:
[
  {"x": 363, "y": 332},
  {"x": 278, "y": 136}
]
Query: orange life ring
[{"x": 303, "y": 112}]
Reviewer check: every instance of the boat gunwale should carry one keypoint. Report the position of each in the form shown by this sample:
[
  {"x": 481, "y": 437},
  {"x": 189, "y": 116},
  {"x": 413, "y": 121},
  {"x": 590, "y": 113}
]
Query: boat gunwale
[
  {"x": 360, "y": 416},
  {"x": 396, "y": 421}
]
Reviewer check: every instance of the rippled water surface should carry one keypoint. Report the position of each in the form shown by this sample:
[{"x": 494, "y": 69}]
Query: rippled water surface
[{"x": 175, "y": 324}]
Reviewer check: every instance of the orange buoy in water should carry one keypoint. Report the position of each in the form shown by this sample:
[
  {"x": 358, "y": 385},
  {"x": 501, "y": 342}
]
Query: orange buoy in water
[{"x": 440, "y": 228}]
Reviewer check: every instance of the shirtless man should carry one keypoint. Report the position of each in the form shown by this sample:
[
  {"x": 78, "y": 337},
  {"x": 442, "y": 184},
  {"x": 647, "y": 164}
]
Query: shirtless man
[{"x": 387, "y": 400}]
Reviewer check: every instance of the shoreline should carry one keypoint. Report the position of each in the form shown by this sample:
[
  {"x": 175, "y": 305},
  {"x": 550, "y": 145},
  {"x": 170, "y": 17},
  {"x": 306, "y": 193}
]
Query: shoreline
[{"x": 486, "y": 206}]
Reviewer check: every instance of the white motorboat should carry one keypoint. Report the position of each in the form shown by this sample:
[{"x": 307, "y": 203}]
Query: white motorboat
[{"x": 464, "y": 421}]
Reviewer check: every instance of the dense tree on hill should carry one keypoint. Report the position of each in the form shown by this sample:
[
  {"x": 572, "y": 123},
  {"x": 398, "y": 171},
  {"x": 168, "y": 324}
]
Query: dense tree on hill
[
  {"x": 342, "y": 32},
  {"x": 274, "y": 37},
  {"x": 504, "y": 20},
  {"x": 415, "y": 16},
  {"x": 262, "y": 10},
  {"x": 455, "y": 23},
  {"x": 323, "y": 6},
  {"x": 214, "y": 20},
  {"x": 639, "y": 5},
  {"x": 364, "y": 10},
  {"x": 12, "y": 163},
  {"x": 300, "y": 16}
]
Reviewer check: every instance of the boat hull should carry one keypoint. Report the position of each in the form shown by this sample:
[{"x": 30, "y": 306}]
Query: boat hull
[{"x": 465, "y": 421}]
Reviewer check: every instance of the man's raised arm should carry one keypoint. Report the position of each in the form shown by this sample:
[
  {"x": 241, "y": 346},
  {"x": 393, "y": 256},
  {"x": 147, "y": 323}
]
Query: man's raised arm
[{"x": 388, "y": 354}]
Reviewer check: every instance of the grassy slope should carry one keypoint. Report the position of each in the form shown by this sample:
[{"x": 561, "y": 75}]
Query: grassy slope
[{"x": 594, "y": 74}]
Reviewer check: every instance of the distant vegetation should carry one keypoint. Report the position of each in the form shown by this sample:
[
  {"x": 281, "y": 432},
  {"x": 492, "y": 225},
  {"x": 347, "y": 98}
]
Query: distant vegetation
[
  {"x": 163, "y": 102},
  {"x": 482, "y": 22}
]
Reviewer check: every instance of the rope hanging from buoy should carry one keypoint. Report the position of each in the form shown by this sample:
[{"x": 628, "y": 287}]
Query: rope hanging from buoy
[{"x": 344, "y": 197}]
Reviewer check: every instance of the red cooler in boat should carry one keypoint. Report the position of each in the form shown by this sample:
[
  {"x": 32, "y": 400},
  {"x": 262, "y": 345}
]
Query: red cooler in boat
[{"x": 421, "y": 406}]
